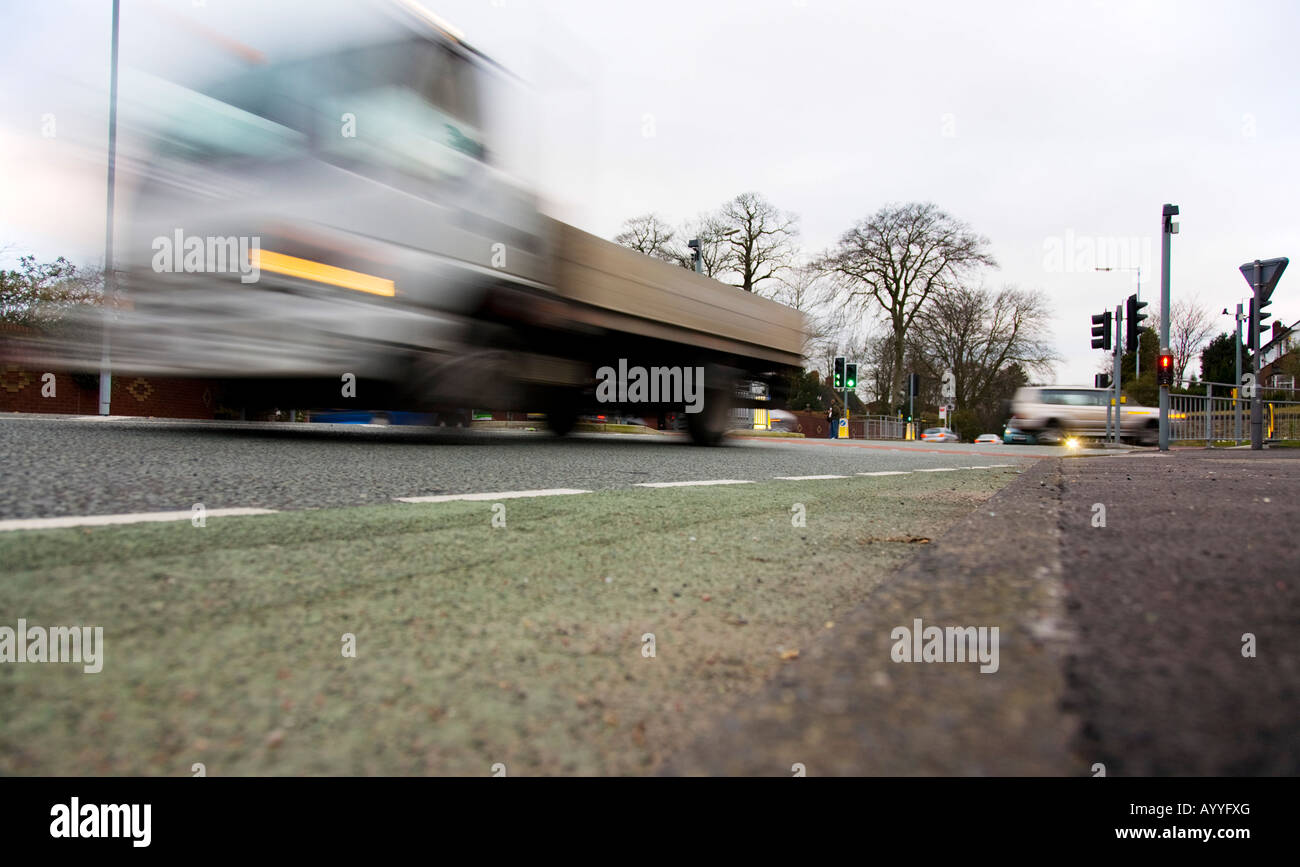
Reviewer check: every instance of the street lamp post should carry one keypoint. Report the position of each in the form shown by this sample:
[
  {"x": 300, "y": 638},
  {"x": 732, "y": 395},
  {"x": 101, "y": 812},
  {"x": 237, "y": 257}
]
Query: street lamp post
[
  {"x": 1236, "y": 389},
  {"x": 1137, "y": 356},
  {"x": 105, "y": 365}
]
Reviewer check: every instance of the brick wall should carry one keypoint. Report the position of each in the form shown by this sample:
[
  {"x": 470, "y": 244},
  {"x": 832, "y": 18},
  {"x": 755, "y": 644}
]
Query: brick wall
[
  {"x": 26, "y": 389},
  {"x": 811, "y": 424}
]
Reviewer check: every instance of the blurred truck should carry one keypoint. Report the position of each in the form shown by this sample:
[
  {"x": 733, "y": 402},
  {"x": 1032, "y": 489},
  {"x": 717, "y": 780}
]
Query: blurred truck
[{"x": 329, "y": 231}]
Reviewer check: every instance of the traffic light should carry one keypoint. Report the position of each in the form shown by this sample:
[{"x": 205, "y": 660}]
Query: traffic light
[
  {"x": 838, "y": 380},
  {"x": 1101, "y": 380},
  {"x": 851, "y": 375},
  {"x": 1165, "y": 370},
  {"x": 1133, "y": 322},
  {"x": 1101, "y": 330}
]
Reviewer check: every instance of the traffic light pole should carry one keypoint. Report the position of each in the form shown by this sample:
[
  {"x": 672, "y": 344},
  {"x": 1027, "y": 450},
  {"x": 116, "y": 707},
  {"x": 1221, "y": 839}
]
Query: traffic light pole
[
  {"x": 1236, "y": 391},
  {"x": 1256, "y": 405},
  {"x": 1114, "y": 383},
  {"x": 1166, "y": 236}
]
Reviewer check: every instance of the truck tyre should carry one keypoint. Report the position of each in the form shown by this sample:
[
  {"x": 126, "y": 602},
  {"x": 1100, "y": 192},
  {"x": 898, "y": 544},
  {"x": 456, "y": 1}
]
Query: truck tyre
[
  {"x": 562, "y": 412},
  {"x": 708, "y": 426}
]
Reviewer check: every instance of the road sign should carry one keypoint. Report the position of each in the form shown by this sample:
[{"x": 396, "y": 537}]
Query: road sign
[
  {"x": 949, "y": 385},
  {"x": 1270, "y": 271},
  {"x": 1262, "y": 275},
  {"x": 844, "y": 429},
  {"x": 943, "y": 413},
  {"x": 950, "y": 406}
]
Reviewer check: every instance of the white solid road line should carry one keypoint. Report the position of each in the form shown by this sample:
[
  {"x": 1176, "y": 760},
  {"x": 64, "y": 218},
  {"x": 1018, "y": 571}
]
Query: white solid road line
[
  {"x": 694, "y": 484},
  {"x": 888, "y": 473},
  {"x": 128, "y": 518},
  {"x": 807, "y": 478},
  {"x": 939, "y": 470},
  {"x": 499, "y": 495}
]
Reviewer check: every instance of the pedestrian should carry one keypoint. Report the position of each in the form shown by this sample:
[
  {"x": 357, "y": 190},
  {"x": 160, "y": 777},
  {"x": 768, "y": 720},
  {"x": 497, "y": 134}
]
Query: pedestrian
[{"x": 830, "y": 422}]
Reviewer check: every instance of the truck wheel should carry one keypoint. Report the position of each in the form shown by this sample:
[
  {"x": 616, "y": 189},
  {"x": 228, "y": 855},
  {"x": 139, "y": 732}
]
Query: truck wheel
[
  {"x": 710, "y": 424},
  {"x": 1052, "y": 433},
  {"x": 562, "y": 413}
]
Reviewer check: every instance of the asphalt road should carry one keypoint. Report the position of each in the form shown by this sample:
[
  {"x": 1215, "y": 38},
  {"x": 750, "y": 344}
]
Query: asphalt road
[{"x": 86, "y": 466}]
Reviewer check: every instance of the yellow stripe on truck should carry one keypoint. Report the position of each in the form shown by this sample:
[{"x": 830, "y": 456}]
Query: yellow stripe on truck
[{"x": 292, "y": 266}]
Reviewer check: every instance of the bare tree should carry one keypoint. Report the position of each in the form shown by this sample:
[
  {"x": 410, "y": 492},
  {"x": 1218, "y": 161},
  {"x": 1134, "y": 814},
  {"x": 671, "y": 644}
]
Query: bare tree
[
  {"x": 760, "y": 237},
  {"x": 715, "y": 253},
  {"x": 1190, "y": 326},
  {"x": 651, "y": 235},
  {"x": 807, "y": 289},
  {"x": 978, "y": 334},
  {"x": 897, "y": 258}
]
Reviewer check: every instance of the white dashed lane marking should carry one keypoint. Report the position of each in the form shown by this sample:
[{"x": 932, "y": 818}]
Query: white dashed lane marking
[
  {"x": 128, "y": 518},
  {"x": 499, "y": 495},
  {"x": 807, "y": 478},
  {"x": 694, "y": 484}
]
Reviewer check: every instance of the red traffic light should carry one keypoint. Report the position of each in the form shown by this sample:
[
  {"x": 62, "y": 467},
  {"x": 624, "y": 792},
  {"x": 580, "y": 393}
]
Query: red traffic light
[{"x": 1165, "y": 370}]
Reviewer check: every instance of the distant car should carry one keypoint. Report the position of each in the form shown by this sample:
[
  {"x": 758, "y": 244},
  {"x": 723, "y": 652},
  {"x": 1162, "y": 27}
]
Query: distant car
[
  {"x": 1054, "y": 414},
  {"x": 940, "y": 435},
  {"x": 988, "y": 438},
  {"x": 1014, "y": 435}
]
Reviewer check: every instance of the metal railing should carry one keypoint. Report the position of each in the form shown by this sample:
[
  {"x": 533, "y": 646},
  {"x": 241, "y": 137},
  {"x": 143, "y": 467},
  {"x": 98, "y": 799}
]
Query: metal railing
[
  {"x": 1223, "y": 415},
  {"x": 877, "y": 427}
]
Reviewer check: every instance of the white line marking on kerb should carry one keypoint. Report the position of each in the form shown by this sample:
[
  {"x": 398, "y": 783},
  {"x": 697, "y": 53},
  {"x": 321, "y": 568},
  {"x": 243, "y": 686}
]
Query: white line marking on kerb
[
  {"x": 939, "y": 470},
  {"x": 128, "y": 518},
  {"x": 888, "y": 473},
  {"x": 694, "y": 484},
  {"x": 807, "y": 478},
  {"x": 499, "y": 495}
]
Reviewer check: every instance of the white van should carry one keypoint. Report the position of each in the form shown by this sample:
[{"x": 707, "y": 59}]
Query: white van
[{"x": 1055, "y": 412}]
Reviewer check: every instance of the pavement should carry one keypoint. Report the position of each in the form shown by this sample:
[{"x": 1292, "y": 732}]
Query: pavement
[{"x": 1126, "y": 648}]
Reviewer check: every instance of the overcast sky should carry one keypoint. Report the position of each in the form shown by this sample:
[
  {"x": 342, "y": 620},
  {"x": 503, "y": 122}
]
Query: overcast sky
[{"x": 1056, "y": 129}]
